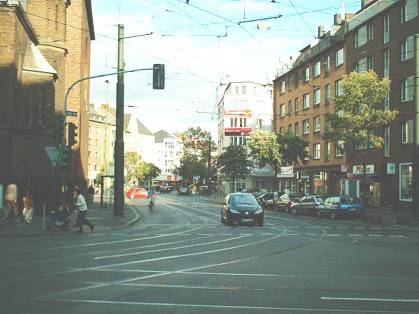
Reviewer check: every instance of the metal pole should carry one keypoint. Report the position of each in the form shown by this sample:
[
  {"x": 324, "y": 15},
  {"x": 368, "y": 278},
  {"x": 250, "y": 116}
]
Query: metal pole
[
  {"x": 118, "y": 205},
  {"x": 209, "y": 164},
  {"x": 415, "y": 207}
]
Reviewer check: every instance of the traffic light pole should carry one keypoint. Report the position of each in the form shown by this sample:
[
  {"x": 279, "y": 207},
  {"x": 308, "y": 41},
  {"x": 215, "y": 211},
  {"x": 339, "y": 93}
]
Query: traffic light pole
[{"x": 118, "y": 205}]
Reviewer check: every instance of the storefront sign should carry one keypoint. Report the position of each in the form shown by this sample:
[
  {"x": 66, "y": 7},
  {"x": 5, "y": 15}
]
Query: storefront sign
[
  {"x": 244, "y": 113},
  {"x": 391, "y": 168},
  {"x": 237, "y": 130},
  {"x": 286, "y": 172},
  {"x": 305, "y": 174},
  {"x": 359, "y": 169}
]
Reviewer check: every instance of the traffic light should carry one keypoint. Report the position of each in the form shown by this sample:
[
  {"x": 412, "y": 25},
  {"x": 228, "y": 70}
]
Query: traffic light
[
  {"x": 158, "y": 76},
  {"x": 66, "y": 157},
  {"x": 72, "y": 134}
]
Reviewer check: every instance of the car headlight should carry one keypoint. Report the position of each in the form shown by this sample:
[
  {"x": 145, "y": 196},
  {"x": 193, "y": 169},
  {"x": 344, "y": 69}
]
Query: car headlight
[
  {"x": 233, "y": 211},
  {"x": 260, "y": 211}
]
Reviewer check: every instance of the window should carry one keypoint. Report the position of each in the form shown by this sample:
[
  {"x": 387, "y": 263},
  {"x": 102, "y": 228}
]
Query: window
[
  {"x": 237, "y": 89},
  {"x": 244, "y": 89},
  {"x": 361, "y": 65},
  {"x": 360, "y": 36},
  {"x": 407, "y": 132},
  {"x": 297, "y": 104},
  {"x": 316, "y": 69},
  {"x": 386, "y": 141},
  {"x": 386, "y": 28},
  {"x": 370, "y": 32},
  {"x": 282, "y": 87},
  {"x": 327, "y": 64},
  {"x": 406, "y": 181},
  {"x": 307, "y": 152},
  {"x": 327, "y": 151},
  {"x": 296, "y": 129},
  {"x": 306, "y": 126},
  {"x": 386, "y": 104},
  {"x": 339, "y": 148},
  {"x": 306, "y": 74},
  {"x": 316, "y": 151},
  {"x": 316, "y": 97},
  {"x": 282, "y": 110},
  {"x": 407, "y": 49},
  {"x": 306, "y": 101},
  {"x": 327, "y": 122},
  {"x": 327, "y": 93},
  {"x": 289, "y": 128},
  {"x": 386, "y": 63},
  {"x": 316, "y": 124},
  {"x": 338, "y": 87},
  {"x": 289, "y": 106},
  {"x": 339, "y": 57},
  {"x": 407, "y": 89},
  {"x": 370, "y": 63},
  {"x": 409, "y": 10}
]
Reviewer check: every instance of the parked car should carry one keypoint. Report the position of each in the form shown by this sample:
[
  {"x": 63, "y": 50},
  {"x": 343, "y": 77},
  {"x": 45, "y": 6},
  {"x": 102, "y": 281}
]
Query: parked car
[
  {"x": 340, "y": 206},
  {"x": 269, "y": 200},
  {"x": 136, "y": 192},
  {"x": 308, "y": 205},
  {"x": 241, "y": 208},
  {"x": 183, "y": 190},
  {"x": 286, "y": 201}
]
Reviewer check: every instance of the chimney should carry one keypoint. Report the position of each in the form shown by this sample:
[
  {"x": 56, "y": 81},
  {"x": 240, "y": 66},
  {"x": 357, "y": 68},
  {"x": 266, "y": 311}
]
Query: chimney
[{"x": 320, "y": 31}]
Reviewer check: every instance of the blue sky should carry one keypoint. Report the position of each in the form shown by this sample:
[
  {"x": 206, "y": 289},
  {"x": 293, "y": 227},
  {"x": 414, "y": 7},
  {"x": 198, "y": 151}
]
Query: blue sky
[{"x": 201, "y": 45}]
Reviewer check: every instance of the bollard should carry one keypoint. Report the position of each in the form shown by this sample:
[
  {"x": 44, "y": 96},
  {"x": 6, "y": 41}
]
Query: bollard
[{"x": 44, "y": 216}]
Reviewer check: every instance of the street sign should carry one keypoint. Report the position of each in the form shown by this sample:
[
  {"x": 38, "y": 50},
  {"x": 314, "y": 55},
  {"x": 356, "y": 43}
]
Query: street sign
[
  {"x": 72, "y": 113},
  {"x": 53, "y": 154}
]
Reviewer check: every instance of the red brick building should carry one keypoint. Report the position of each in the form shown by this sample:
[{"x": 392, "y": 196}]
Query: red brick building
[
  {"x": 38, "y": 38},
  {"x": 380, "y": 38}
]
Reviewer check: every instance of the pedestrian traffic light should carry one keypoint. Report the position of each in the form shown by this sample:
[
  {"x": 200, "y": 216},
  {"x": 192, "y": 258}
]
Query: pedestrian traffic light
[
  {"x": 66, "y": 157},
  {"x": 158, "y": 76},
  {"x": 72, "y": 134}
]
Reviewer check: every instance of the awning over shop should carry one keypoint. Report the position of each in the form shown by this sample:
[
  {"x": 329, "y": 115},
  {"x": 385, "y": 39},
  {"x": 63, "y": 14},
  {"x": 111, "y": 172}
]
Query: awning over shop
[{"x": 34, "y": 61}]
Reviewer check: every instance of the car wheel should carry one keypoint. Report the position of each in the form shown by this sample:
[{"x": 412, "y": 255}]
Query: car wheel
[
  {"x": 223, "y": 221},
  {"x": 228, "y": 220}
]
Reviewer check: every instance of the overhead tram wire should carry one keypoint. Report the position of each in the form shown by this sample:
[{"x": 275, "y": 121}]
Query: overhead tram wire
[{"x": 301, "y": 17}]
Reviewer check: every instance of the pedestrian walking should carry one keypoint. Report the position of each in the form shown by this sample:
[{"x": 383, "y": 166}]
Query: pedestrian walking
[
  {"x": 81, "y": 206},
  {"x": 27, "y": 211},
  {"x": 10, "y": 202},
  {"x": 91, "y": 193}
]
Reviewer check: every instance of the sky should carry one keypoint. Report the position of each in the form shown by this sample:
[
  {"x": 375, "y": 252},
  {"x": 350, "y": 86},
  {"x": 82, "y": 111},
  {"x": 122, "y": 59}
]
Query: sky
[{"x": 204, "y": 45}]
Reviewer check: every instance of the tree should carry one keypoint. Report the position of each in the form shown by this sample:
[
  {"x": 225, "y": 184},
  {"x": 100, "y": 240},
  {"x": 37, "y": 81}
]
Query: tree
[
  {"x": 148, "y": 170},
  {"x": 132, "y": 165},
  {"x": 234, "y": 162},
  {"x": 358, "y": 114},
  {"x": 191, "y": 166},
  {"x": 265, "y": 148},
  {"x": 195, "y": 141},
  {"x": 292, "y": 147}
]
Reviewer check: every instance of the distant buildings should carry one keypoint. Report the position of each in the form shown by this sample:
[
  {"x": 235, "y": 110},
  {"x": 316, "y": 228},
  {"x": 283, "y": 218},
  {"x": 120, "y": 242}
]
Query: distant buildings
[
  {"x": 161, "y": 148},
  {"x": 244, "y": 106},
  {"x": 380, "y": 37}
]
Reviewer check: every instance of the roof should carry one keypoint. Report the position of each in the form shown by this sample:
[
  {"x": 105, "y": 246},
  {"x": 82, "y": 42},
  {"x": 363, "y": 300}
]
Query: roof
[
  {"x": 142, "y": 129},
  {"x": 161, "y": 135},
  {"x": 34, "y": 61}
]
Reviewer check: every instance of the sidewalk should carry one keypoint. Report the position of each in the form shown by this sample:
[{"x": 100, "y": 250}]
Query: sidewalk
[
  {"x": 102, "y": 218},
  {"x": 390, "y": 216}
]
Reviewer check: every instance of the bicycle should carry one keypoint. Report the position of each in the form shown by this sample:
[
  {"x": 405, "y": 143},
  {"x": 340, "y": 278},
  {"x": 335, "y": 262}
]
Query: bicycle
[{"x": 151, "y": 204}]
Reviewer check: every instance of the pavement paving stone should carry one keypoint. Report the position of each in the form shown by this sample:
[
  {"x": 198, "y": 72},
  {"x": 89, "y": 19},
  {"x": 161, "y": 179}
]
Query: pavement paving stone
[{"x": 102, "y": 218}]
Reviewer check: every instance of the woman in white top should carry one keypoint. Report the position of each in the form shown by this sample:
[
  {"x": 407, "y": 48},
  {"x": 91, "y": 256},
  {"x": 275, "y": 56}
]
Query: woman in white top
[
  {"x": 81, "y": 206},
  {"x": 10, "y": 202}
]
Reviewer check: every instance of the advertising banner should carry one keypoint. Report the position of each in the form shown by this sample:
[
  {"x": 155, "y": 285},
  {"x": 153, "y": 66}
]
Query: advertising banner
[{"x": 243, "y": 113}]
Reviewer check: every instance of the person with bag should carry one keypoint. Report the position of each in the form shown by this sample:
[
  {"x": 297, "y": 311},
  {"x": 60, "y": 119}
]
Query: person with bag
[
  {"x": 81, "y": 206},
  {"x": 28, "y": 204}
]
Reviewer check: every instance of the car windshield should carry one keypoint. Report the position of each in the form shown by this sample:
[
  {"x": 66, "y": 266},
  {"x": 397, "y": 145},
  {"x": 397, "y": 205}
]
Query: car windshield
[{"x": 243, "y": 199}]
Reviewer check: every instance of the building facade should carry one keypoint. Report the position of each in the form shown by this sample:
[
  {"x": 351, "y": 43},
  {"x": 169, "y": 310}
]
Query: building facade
[
  {"x": 34, "y": 74},
  {"x": 167, "y": 150},
  {"x": 380, "y": 38},
  {"x": 243, "y": 107}
]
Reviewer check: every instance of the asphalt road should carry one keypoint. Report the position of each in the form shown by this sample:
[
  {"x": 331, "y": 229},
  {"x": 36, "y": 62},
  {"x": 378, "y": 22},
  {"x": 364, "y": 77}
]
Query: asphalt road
[{"x": 181, "y": 259}]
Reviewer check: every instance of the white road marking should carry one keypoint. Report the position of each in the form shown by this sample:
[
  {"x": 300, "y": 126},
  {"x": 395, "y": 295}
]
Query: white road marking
[
  {"x": 375, "y": 235},
  {"x": 355, "y": 235},
  {"x": 395, "y": 236},
  {"x": 233, "y": 307},
  {"x": 372, "y": 299},
  {"x": 333, "y": 235}
]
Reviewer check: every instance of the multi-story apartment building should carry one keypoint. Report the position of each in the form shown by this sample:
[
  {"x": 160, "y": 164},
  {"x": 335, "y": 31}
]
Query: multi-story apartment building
[
  {"x": 36, "y": 68},
  {"x": 102, "y": 126},
  {"x": 245, "y": 106},
  {"x": 379, "y": 37},
  {"x": 167, "y": 150}
]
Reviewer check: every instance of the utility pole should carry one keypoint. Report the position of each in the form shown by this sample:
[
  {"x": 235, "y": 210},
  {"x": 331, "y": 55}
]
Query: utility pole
[
  {"x": 118, "y": 205},
  {"x": 209, "y": 163}
]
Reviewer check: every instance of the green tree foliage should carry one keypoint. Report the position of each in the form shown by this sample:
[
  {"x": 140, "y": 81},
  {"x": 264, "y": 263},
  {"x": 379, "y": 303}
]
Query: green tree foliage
[
  {"x": 149, "y": 170},
  {"x": 191, "y": 166},
  {"x": 234, "y": 162},
  {"x": 264, "y": 148},
  {"x": 359, "y": 113},
  {"x": 137, "y": 168},
  {"x": 292, "y": 147}
]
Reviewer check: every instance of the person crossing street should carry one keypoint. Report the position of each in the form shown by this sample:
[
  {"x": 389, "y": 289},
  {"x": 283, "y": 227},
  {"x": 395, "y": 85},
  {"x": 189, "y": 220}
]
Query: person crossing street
[{"x": 81, "y": 206}]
